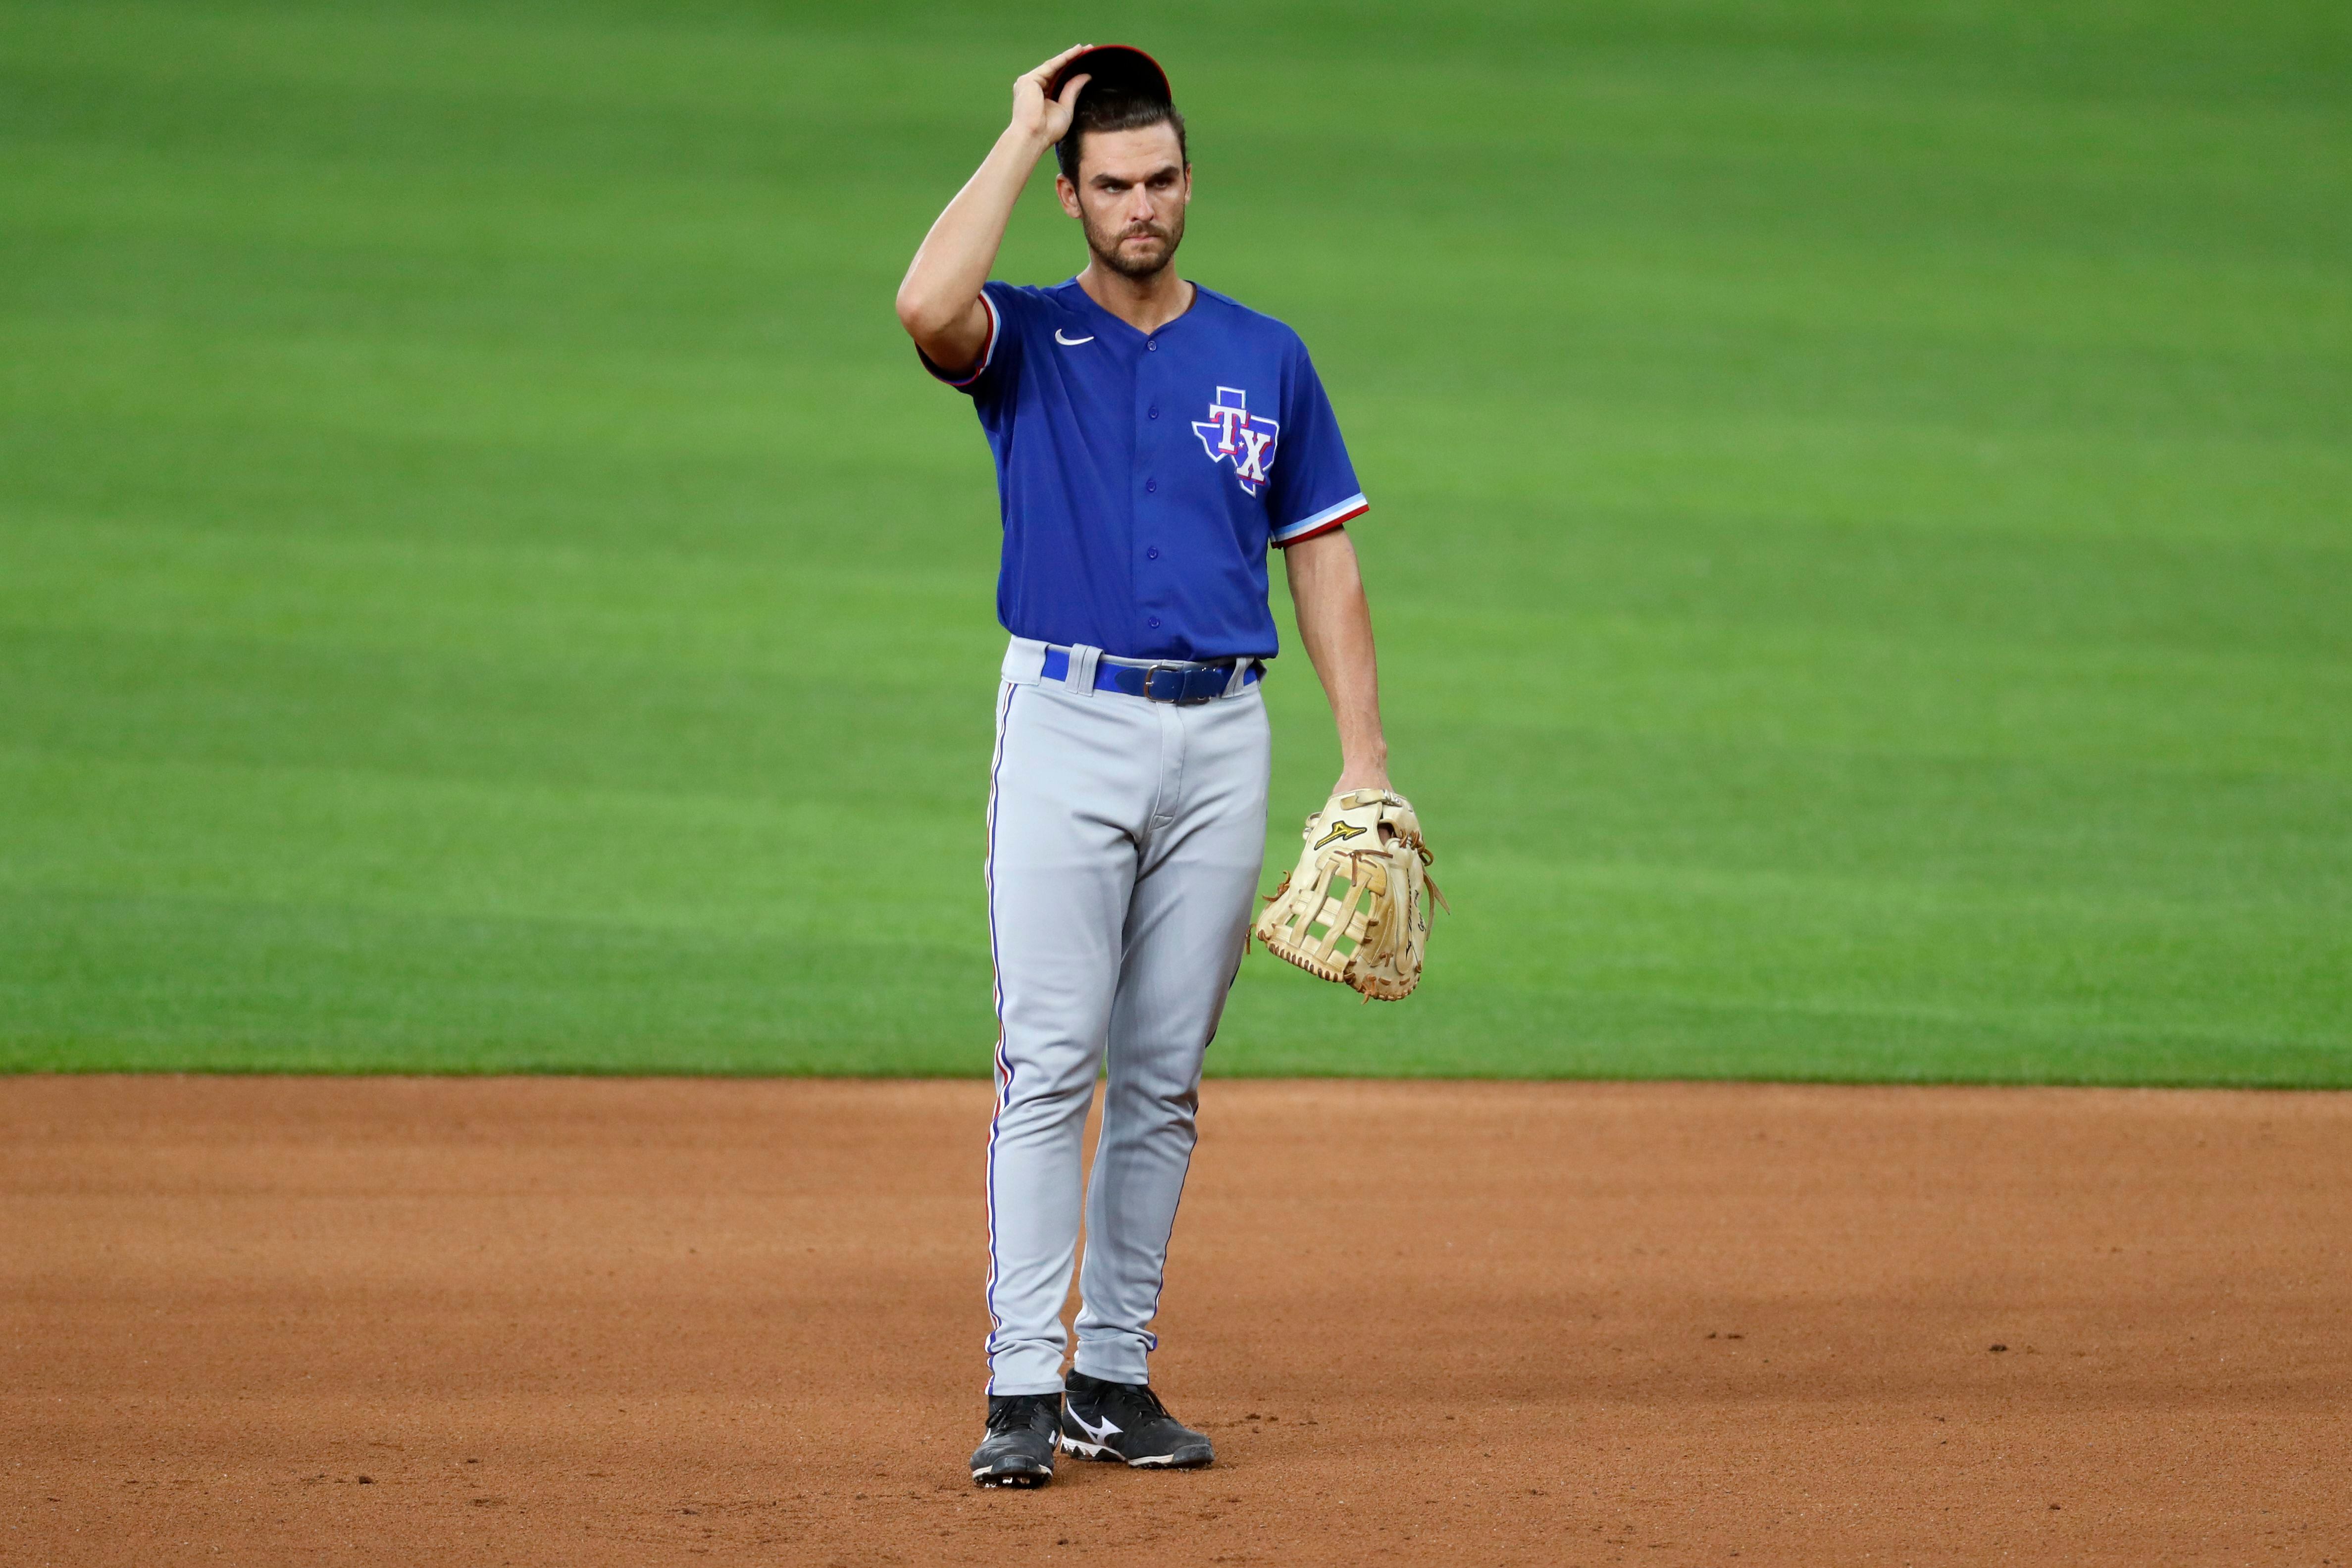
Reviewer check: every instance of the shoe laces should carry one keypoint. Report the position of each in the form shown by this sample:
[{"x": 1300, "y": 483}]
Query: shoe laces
[
  {"x": 1016, "y": 1412},
  {"x": 1143, "y": 1402}
]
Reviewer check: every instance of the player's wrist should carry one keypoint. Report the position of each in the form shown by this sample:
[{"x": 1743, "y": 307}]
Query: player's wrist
[{"x": 1026, "y": 139}]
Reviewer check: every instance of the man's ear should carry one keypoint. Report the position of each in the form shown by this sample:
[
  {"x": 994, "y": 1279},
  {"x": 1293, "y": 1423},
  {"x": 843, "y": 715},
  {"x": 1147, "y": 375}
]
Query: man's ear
[{"x": 1069, "y": 195}]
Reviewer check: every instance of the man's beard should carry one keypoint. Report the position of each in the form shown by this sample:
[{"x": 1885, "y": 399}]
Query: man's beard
[{"x": 1140, "y": 264}]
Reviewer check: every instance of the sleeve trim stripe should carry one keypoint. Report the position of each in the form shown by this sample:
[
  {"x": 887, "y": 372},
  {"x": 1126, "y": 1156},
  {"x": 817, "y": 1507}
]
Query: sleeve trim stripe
[
  {"x": 1324, "y": 521},
  {"x": 988, "y": 350}
]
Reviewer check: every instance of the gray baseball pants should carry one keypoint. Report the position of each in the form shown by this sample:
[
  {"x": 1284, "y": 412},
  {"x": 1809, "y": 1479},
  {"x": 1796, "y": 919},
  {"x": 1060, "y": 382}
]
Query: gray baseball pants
[{"x": 1123, "y": 843}]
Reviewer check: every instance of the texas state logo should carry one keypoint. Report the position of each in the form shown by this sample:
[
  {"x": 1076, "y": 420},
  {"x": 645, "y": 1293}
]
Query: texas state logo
[{"x": 1232, "y": 434}]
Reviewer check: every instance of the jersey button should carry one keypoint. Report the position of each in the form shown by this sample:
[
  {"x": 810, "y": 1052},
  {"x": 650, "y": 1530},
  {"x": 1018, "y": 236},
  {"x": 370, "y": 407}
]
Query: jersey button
[
  {"x": 1151, "y": 413},
  {"x": 1151, "y": 346},
  {"x": 1151, "y": 555},
  {"x": 1153, "y": 623},
  {"x": 1151, "y": 487}
]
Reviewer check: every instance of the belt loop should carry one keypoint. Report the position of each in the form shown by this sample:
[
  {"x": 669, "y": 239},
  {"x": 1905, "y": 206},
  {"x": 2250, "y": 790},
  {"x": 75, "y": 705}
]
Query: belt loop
[
  {"x": 1025, "y": 659},
  {"x": 1081, "y": 675},
  {"x": 1240, "y": 678}
]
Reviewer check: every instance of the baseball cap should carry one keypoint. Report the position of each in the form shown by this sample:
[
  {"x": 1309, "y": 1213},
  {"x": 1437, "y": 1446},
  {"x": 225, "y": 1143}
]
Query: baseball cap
[{"x": 1121, "y": 66}]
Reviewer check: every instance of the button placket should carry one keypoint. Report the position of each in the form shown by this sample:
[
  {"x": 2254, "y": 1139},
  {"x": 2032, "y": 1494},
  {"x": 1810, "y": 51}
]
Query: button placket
[{"x": 1146, "y": 448}]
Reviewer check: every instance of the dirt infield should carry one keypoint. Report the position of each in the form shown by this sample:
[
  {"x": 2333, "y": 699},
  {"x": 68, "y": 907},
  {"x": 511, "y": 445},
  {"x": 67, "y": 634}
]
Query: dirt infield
[{"x": 561, "y": 1321}]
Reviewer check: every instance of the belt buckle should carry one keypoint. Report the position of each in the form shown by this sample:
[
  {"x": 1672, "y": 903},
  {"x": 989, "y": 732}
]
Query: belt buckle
[{"x": 1184, "y": 678}]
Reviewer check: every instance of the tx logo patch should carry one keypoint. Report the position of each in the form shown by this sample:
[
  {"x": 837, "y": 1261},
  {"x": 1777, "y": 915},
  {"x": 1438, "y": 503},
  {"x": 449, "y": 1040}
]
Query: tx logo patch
[
  {"x": 1342, "y": 833},
  {"x": 1231, "y": 434}
]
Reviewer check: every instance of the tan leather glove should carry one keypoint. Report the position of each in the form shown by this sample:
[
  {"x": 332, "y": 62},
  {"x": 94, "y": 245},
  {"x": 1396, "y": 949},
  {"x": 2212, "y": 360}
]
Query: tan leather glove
[{"x": 1353, "y": 911}]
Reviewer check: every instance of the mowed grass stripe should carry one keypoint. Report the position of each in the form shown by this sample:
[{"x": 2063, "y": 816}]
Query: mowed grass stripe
[{"x": 163, "y": 984}]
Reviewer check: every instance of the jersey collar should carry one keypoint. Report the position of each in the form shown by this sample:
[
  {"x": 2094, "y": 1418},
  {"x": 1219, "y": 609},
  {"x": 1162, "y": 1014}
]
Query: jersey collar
[{"x": 1086, "y": 302}]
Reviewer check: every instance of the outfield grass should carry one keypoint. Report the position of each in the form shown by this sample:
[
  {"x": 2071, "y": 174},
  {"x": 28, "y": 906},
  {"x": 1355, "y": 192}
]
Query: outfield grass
[{"x": 1862, "y": 532}]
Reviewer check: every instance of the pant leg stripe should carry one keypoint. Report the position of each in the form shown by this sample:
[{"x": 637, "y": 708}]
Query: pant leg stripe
[{"x": 996, "y": 990}]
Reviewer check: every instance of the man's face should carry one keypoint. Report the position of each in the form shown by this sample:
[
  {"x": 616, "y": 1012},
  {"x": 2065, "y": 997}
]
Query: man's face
[{"x": 1130, "y": 196}]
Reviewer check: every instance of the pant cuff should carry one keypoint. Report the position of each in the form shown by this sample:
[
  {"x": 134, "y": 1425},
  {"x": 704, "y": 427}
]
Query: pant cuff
[{"x": 1122, "y": 1363}]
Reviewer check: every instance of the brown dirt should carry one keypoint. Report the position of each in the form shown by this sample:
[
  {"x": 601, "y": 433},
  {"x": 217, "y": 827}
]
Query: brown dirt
[{"x": 562, "y": 1321}]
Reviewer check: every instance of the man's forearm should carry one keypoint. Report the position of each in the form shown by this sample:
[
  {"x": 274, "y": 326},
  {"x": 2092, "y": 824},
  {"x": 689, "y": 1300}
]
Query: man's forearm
[
  {"x": 944, "y": 281},
  {"x": 938, "y": 301},
  {"x": 1335, "y": 623}
]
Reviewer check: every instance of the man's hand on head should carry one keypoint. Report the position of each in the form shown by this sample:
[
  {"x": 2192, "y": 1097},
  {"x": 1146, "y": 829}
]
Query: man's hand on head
[
  {"x": 1047, "y": 120},
  {"x": 939, "y": 299}
]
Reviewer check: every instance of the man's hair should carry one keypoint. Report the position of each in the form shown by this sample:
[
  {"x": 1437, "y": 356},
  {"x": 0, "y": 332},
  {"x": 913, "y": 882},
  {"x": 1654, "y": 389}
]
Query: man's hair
[{"x": 1114, "y": 108}]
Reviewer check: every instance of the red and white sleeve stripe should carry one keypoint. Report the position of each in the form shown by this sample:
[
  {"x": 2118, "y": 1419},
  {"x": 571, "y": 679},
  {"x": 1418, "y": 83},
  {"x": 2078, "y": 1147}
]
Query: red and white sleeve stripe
[
  {"x": 1322, "y": 522},
  {"x": 988, "y": 349}
]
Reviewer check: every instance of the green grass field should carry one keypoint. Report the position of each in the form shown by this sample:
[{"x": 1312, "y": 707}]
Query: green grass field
[{"x": 1862, "y": 531}]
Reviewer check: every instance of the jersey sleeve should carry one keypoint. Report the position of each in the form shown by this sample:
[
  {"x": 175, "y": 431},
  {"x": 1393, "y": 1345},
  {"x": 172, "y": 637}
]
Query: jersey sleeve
[
  {"x": 1009, "y": 309},
  {"x": 1314, "y": 487}
]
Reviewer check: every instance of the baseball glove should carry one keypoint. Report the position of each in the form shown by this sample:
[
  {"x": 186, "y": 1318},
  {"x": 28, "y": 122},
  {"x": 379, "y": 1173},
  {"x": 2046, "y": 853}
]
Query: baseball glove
[{"x": 1352, "y": 910}]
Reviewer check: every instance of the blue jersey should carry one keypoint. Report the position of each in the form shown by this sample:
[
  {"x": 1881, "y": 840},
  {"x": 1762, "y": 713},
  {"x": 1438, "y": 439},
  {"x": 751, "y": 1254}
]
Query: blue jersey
[{"x": 1142, "y": 476}]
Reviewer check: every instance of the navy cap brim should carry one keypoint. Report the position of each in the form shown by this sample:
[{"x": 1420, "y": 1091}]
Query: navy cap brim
[{"x": 1119, "y": 65}]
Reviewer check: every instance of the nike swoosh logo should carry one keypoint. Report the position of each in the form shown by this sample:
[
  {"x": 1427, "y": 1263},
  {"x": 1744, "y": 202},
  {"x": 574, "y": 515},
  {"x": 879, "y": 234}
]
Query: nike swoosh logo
[
  {"x": 1069, "y": 342},
  {"x": 1094, "y": 1434}
]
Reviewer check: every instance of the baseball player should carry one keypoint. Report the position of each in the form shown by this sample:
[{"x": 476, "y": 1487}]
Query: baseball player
[{"x": 1152, "y": 439}]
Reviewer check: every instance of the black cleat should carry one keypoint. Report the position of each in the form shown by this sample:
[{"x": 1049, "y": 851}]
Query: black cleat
[
  {"x": 1126, "y": 1422},
  {"x": 1019, "y": 1448}
]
